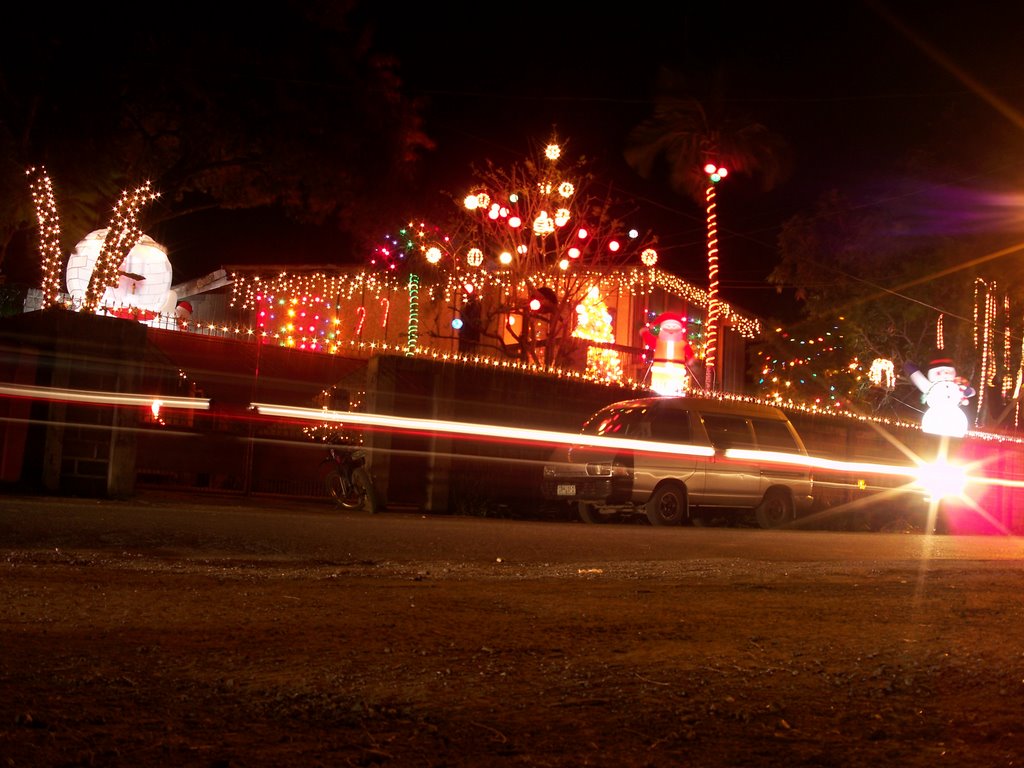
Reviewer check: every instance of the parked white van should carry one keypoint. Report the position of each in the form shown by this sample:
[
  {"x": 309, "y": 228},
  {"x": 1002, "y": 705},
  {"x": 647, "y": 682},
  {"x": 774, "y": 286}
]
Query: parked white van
[{"x": 684, "y": 460}]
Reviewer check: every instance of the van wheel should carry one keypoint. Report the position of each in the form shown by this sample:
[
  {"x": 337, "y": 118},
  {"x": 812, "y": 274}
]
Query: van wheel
[
  {"x": 668, "y": 505},
  {"x": 589, "y": 513},
  {"x": 776, "y": 510}
]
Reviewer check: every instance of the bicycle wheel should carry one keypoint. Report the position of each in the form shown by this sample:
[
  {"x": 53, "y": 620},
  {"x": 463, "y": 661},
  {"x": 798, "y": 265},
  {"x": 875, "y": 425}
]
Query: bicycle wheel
[
  {"x": 363, "y": 486},
  {"x": 348, "y": 497}
]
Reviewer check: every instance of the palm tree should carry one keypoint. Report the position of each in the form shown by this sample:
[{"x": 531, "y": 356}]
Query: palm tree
[{"x": 682, "y": 134}]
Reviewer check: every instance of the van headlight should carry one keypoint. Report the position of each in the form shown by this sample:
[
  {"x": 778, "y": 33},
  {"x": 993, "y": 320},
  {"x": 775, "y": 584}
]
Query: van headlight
[{"x": 941, "y": 480}]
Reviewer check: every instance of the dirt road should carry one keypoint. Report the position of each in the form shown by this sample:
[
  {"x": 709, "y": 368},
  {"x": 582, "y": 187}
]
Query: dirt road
[{"x": 167, "y": 633}]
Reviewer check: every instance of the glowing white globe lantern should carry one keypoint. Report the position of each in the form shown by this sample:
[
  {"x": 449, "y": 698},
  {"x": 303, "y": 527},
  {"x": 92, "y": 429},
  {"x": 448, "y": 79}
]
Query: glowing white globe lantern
[{"x": 144, "y": 277}]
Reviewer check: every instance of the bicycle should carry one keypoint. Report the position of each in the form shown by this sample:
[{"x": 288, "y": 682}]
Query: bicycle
[{"x": 347, "y": 480}]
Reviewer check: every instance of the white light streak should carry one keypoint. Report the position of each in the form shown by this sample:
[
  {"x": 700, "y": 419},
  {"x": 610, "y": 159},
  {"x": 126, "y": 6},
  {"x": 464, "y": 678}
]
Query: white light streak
[
  {"x": 104, "y": 398},
  {"x": 478, "y": 430}
]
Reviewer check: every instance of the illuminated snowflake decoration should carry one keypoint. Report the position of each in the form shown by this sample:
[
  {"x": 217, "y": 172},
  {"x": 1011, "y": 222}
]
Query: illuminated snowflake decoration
[
  {"x": 552, "y": 152},
  {"x": 649, "y": 257}
]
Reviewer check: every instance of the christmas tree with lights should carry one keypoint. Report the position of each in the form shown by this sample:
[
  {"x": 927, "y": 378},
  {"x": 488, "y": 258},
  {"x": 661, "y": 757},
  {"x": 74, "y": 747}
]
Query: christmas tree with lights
[{"x": 594, "y": 323}]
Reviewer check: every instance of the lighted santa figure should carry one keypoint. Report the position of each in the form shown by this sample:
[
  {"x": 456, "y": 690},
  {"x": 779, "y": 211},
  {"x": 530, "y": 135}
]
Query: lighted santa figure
[
  {"x": 673, "y": 356},
  {"x": 182, "y": 314},
  {"x": 944, "y": 393}
]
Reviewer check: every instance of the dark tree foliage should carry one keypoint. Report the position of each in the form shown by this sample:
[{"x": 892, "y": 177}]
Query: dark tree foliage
[
  {"x": 901, "y": 291},
  {"x": 285, "y": 106}
]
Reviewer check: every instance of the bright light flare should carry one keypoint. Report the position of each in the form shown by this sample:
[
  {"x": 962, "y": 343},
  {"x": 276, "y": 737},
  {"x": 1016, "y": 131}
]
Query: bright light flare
[
  {"x": 938, "y": 479},
  {"x": 942, "y": 480}
]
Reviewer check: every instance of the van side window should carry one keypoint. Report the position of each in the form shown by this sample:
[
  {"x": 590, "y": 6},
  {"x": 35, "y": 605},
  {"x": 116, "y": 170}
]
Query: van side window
[
  {"x": 671, "y": 425},
  {"x": 774, "y": 436},
  {"x": 728, "y": 431}
]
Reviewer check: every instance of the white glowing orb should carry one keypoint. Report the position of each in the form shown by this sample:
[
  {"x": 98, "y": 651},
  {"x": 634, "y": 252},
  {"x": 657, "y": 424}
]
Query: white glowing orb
[
  {"x": 543, "y": 224},
  {"x": 145, "y": 274},
  {"x": 505, "y": 257},
  {"x": 433, "y": 254}
]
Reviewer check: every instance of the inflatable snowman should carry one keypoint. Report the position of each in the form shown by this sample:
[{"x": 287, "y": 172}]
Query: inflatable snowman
[
  {"x": 143, "y": 290},
  {"x": 943, "y": 392}
]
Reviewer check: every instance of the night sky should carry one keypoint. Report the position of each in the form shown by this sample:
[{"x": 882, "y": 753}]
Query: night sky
[{"x": 854, "y": 88}]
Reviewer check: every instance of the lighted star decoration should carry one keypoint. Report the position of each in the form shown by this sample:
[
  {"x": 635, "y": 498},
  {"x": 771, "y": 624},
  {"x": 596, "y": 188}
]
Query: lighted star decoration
[{"x": 45, "y": 203}]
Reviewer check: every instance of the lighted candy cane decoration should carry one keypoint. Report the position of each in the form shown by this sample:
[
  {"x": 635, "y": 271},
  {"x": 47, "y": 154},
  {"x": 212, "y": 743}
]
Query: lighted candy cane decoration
[
  {"x": 49, "y": 233},
  {"x": 361, "y": 314},
  {"x": 386, "y": 303}
]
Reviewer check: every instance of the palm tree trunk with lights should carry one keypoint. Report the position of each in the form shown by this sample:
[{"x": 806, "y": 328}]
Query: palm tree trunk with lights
[
  {"x": 681, "y": 133},
  {"x": 711, "y": 326}
]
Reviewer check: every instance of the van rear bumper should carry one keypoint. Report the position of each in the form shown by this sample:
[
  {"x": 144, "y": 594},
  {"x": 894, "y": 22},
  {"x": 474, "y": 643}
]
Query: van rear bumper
[{"x": 578, "y": 488}]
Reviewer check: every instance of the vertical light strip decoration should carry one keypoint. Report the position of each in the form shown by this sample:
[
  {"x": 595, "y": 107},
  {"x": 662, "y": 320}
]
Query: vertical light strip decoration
[
  {"x": 984, "y": 338},
  {"x": 1004, "y": 369},
  {"x": 122, "y": 235},
  {"x": 49, "y": 233},
  {"x": 715, "y": 175},
  {"x": 412, "y": 340}
]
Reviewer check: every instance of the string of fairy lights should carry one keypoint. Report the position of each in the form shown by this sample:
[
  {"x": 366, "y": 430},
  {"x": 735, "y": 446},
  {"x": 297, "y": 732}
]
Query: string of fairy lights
[
  {"x": 41, "y": 187},
  {"x": 360, "y": 310},
  {"x": 123, "y": 235},
  {"x": 362, "y": 291}
]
